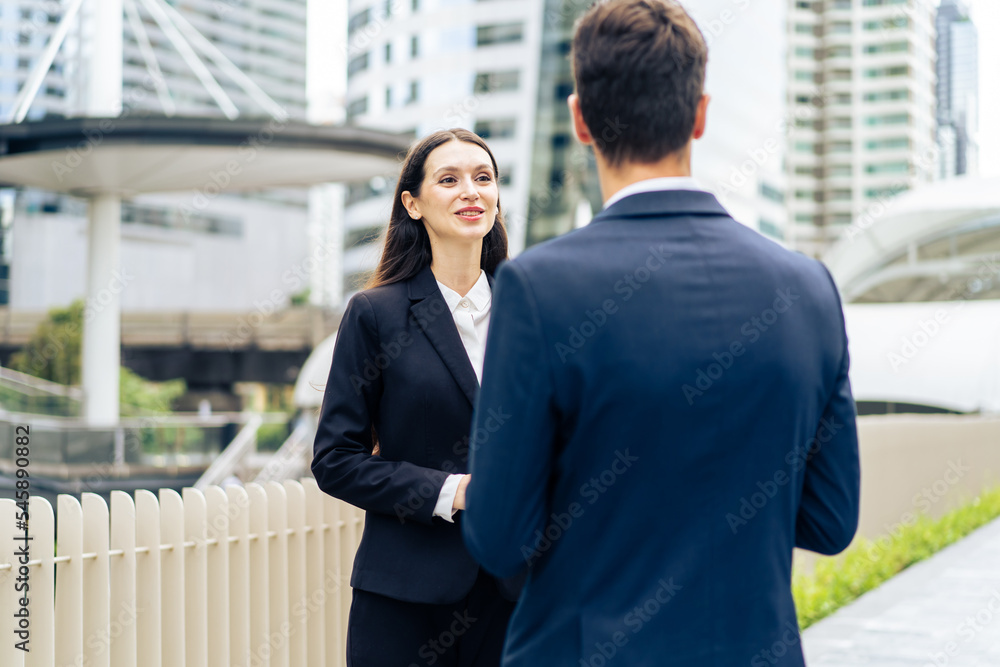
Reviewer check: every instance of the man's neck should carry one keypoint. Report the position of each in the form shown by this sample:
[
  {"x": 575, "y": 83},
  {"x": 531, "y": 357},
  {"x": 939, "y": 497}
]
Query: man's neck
[{"x": 613, "y": 179}]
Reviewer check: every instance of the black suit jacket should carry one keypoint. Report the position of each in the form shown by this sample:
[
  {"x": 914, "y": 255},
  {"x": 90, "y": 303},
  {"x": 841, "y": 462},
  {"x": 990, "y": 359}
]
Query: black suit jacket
[{"x": 399, "y": 366}]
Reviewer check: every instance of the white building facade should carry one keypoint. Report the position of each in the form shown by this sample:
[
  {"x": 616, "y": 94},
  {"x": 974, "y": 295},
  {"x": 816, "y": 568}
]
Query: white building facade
[{"x": 862, "y": 100}]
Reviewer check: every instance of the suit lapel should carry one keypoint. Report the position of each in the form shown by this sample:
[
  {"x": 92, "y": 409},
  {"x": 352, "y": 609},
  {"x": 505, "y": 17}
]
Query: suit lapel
[{"x": 433, "y": 317}]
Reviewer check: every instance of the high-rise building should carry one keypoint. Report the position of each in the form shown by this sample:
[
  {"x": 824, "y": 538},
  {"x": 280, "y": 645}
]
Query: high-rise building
[
  {"x": 423, "y": 65},
  {"x": 862, "y": 98},
  {"x": 502, "y": 69},
  {"x": 957, "y": 89}
]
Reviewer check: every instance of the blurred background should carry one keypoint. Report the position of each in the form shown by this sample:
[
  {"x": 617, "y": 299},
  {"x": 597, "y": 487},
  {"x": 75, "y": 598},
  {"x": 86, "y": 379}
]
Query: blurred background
[{"x": 196, "y": 187}]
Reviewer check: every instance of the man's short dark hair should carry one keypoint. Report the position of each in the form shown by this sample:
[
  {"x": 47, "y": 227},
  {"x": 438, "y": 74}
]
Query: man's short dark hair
[{"x": 639, "y": 67}]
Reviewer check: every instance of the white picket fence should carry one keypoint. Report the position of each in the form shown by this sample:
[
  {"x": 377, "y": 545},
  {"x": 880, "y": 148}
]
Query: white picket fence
[{"x": 250, "y": 577}]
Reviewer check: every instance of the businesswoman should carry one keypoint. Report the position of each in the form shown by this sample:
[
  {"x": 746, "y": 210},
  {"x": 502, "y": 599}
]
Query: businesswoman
[{"x": 393, "y": 429}]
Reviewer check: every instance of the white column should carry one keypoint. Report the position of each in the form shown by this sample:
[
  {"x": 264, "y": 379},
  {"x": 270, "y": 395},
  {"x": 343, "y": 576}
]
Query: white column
[
  {"x": 104, "y": 80},
  {"x": 102, "y": 315}
]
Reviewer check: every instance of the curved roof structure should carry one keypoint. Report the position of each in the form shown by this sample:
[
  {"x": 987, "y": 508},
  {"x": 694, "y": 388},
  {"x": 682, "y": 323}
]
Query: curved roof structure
[
  {"x": 133, "y": 155},
  {"x": 308, "y": 392},
  {"x": 944, "y": 355},
  {"x": 939, "y": 243}
]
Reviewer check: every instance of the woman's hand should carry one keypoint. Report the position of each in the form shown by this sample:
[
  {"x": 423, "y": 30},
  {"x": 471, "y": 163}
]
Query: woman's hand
[{"x": 459, "y": 502}]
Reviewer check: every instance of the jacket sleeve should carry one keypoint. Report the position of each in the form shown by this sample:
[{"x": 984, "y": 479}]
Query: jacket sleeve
[
  {"x": 343, "y": 463},
  {"x": 828, "y": 512},
  {"x": 514, "y": 426}
]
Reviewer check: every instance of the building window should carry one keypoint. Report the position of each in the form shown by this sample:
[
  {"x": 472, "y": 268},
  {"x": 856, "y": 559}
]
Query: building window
[
  {"x": 772, "y": 193},
  {"x": 414, "y": 46},
  {"x": 388, "y": 97},
  {"x": 357, "y": 107},
  {"x": 357, "y": 64},
  {"x": 500, "y": 33},
  {"x": 388, "y": 52},
  {"x": 880, "y": 3},
  {"x": 893, "y": 23},
  {"x": 879, "y": 72},
  {"x": 359, "y": 20},
  {"x": 497, "y": 82},
  {"x": 495, "y": 129},
  {"x": 840, "y": 170},
  {"x": 802, "y": 75},
  {"x": 840, "y": 28},
  {"x": 888, "y": 119},
  {"x": 414, "y": 93},
  {"x": 805, "y": 29},
  {"x": 890, "y": 47},
  {"x": 840, "y": 147},
  {"x": 892, "y": 143},
  {"x": 842, "y": 51},
  {"x": 888, "y": 168},
  {"x": 887, "y": 95},
  {"x": 805, "y": 52},
  {"x": 415, "y": 6},
  {"x": 884, "y": 193},
  {"x": 841, "y": 195},
  {"x": 770, "y": 229}
]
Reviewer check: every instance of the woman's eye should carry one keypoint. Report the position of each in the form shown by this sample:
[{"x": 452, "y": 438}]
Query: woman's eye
[
  {"x": 485, "y": 178},
  {"x": 448, "y": 179}
]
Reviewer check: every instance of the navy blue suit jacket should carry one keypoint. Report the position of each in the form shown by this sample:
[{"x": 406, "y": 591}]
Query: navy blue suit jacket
[
  {"x": 676, "y": 416},
  {"x": 399, "y": 366}
]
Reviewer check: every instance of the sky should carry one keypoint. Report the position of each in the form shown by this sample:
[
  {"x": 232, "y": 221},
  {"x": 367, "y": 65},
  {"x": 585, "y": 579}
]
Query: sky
[{"x": 325, "y": 21}]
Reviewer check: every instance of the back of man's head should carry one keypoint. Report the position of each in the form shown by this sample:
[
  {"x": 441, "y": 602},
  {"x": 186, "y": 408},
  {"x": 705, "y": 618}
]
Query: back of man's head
[{"x": 639, "y": 67}]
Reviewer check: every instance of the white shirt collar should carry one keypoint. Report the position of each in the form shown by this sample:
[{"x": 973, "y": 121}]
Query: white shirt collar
[
  {"x": 479, "y": 296},
  {"x": 655, "y": 185}
]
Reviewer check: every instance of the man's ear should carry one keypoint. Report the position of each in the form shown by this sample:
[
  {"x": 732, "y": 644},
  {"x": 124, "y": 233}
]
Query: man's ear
[
  {"x": 579, "y": 127},
  {"x": 700, "y": 116},
  {"x": 410, "y": 204}
]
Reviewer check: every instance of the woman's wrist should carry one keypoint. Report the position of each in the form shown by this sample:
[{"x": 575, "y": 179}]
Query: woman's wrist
[{"x": 459, "y": 503}]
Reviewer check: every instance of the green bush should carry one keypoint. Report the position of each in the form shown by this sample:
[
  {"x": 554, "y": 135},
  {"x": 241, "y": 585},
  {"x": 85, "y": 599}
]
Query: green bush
[{"x": 867, "y": 564}]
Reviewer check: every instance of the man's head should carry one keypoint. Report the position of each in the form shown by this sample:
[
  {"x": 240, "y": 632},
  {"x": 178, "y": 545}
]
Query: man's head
[{"x": 639, "y": 67}]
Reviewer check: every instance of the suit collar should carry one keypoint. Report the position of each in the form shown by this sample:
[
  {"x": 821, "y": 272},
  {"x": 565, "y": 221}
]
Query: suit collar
[
  {"x": 431, "y": 313},
  {"x": 663, "y": 203}
]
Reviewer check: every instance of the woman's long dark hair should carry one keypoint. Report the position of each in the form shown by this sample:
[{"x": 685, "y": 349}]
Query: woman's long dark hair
[{"x": 406, "y": 248}]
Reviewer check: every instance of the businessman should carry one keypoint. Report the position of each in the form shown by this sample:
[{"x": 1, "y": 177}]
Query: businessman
[{"x": 675, "y": 388}]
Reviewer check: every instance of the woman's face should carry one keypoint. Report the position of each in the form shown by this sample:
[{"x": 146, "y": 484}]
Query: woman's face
[{"x": 459, "y": 194}]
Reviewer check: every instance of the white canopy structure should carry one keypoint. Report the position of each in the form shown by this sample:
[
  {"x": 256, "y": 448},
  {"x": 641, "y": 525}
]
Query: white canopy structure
[
  {"x": 308, "y": 392},
  {"x": 105, "y": 156},
  {"x": 943, "y": 355},
  {"x": 939, "y": 243}
]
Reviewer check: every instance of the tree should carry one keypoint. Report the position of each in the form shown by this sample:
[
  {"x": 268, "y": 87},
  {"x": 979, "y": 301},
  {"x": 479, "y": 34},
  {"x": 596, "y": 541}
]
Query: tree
[{"x": 54, "y": 353}]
